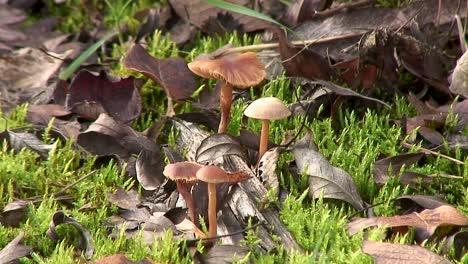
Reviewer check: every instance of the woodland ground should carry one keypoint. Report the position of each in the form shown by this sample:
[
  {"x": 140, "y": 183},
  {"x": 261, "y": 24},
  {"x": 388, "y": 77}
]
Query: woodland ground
[{"x": 353, "y": 141}]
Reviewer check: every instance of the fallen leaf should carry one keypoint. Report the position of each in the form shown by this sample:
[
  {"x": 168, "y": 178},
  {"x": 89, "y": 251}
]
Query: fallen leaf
[
  {"x": 14, "y": 213},
  {"x": 119, "y": 97},
  {"x": 198, "y": 13},
  {"x": 414, "y": 179},
  {"x": 24, "y": 74},
  {"x": 339, "y": 90},
  {"x": 217, "y": 146},
  {"x": 324, "y": 178},
  {"x": 416, "y": 203},
  {"x": 302, "y": 10},
  {"x": 206, "y": 118},
  {"x": 222, "y": 254},
  {"x": 148, "y": 170},
  {"x": 393, "y": 164},
  {"x": 14, "y": 250},
  {"x": 221, "y": 23},
  {"x": 345, "y": 28},
  {"x": 459, "y": 84},
  {"x": 107, "y": 137},
  {"x": 42, "y": 114},
  {"x": 125, "y": 200},
  {"x": 389, "y": 253},
  {"x": 459, "y": 241},
  {"x": 172, "y": 74},
  {"x": 426, "y": 221},
  {"x": 20, "y": 140},
  {"x": 302, "y": 61},
  {"x": 85, "y": 237}
]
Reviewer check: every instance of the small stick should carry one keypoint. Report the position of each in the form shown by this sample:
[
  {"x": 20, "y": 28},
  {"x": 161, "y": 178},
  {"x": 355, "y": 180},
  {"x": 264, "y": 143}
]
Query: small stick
[
  {"x": 296, "y": 42},
  {"x": 74, "y": 183},
  {"x": 428, "y": 151},
  {"x": 445, "y": 176}
]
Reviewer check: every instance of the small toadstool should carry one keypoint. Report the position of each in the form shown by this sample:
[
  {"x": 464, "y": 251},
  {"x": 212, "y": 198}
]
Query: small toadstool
[
  {"x": 184, "y": 174},
  {"x": 214, "y": 175},
  {"x": 266, "y": 109},
  {"x": 240, "y": 70}
]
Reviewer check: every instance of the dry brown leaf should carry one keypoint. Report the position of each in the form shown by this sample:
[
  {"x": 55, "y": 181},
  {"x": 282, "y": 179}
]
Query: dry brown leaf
[
  {"x": 388, "y": 253},
  {"x": 427, "y": 221}
]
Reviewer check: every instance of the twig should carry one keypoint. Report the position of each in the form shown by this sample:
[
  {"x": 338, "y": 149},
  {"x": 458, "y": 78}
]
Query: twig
[
  {"x": 445, "y": 176},
  {"x": 35, "y": 199},
  {"x": 428, "y": 151},
  {"x": 296, "y": 42},
  {"x": 74, "y": 183}
]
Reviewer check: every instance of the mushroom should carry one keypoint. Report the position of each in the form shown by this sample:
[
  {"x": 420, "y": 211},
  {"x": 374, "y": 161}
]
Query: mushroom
[
  {"x": 184, "y": 174},
  {"x": 239, "y": 70},
  {"x": 214, "y": 175},
  {"x": 266, "y": 109}
]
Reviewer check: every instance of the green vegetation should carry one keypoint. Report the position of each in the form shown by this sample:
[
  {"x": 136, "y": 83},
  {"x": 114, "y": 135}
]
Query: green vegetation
[{"x": 353, "y": 142}]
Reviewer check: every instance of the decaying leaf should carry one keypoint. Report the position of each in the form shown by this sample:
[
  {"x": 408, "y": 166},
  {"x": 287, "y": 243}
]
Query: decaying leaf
[
  {"x": 218, "y": 145},
  {"x": 222, "y": 254},
  {"x": 14, "y": 250},
  {"x": 459, "y": 83},
  {"x": 346, "y": 28},
  {"x": 417, "y": 203},
  {"x": 24, "y": 75},
  {"x": 324, "y": 178},
  {"x": 125, "y": 200},
  {"x": 302, "y": 61},
  {"x": 20, "y": 140},
  {"x": 339, "y": 90},
  {"x": 107, "y": 137},
  {"x": 149, "y": 177},
  {"x": 426, "y": 222},
  {"x": 118, "y": 97},
  {"x": 381, "y": 167},
  {"x": 149, "y": 219},
  {"x": 172, "y": 74},
  {"x": 459, "y": 241},
  {"x": 389, "y": 253},
  {"x": 85, "y": 239},
  {"x": 13, "y": 213},
  {"x": 198, "y": 13}
]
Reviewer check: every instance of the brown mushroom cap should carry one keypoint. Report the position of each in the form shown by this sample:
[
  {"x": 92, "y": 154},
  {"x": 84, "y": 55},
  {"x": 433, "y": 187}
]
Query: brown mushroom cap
[
  {"x": 182, "y": 171},
  {"x": 215, "y": 174},
  {"x": 270, "y": 108},
  {"x": 241, "y": 71}
]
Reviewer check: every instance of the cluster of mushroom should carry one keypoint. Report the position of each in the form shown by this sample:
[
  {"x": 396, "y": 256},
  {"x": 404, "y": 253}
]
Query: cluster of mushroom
[
  {"x": 241, "y": 71},
  {"x": 185, "y": 174},
  {"x": 235, "y": 70}
]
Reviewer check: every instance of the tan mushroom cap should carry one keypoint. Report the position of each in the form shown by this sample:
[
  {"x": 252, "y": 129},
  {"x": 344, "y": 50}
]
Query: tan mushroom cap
[
  {"x": 182, "y": 171},
  {"x": 270, "y": 108},
  {"x": 215, "y": 174},
  {"x": 241, "y": 71}
]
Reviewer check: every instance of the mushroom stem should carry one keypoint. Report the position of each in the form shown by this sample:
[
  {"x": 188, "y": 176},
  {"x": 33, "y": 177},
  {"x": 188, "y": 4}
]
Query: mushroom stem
[
  {"x": 225, "y": 99},
  {"x": 263, "y": 138},
  {"x": 183, "y": 188},
  {"x": 213, "y": 228},
  {"x": 170, "y": 108}
]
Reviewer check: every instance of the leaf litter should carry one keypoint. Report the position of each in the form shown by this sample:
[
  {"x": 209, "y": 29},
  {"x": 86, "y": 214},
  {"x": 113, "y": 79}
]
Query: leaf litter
[{"x": 355, "y": 51}]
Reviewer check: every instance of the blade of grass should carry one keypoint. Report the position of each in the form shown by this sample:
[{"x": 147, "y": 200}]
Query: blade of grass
[
  {"x": 68, "y": 72},
  {"x": 244, "y": 11}
]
